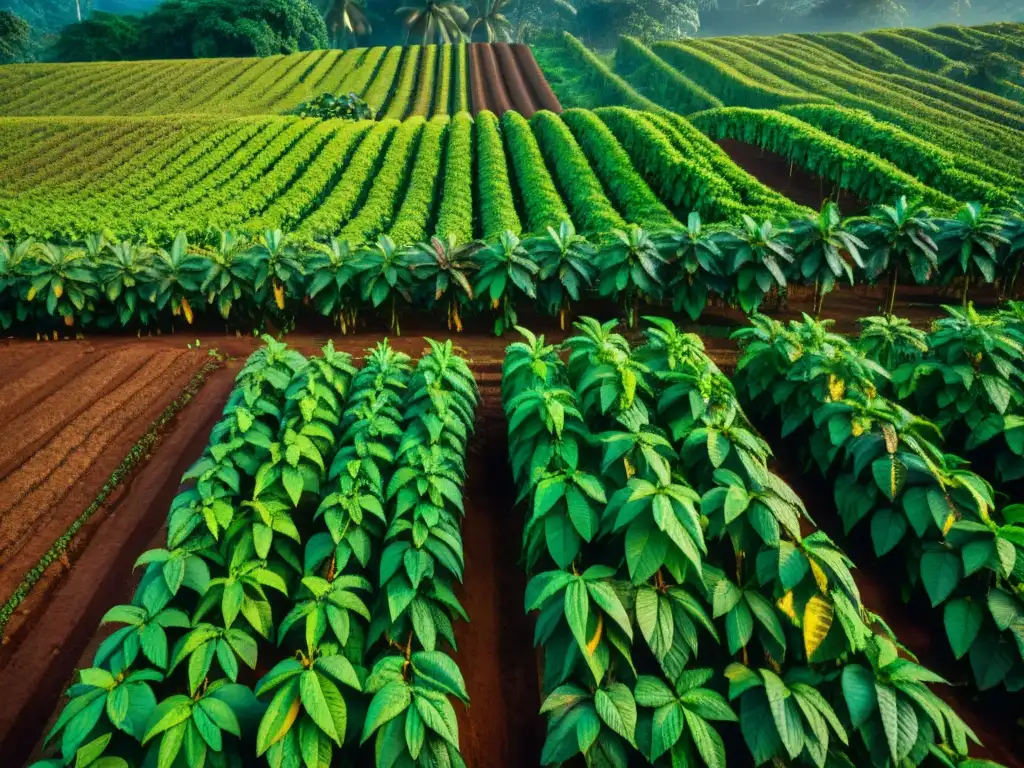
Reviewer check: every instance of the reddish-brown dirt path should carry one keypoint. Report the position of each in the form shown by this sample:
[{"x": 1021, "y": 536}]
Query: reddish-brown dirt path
[
  {"x": 519, "y": 93},
  {"x": 791, "y": 180},
  {"x": 543, "y": 96}
]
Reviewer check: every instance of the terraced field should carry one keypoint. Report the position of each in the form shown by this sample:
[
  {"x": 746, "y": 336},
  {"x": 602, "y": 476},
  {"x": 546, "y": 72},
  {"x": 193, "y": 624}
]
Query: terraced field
[{"x": 406, "y": 179}]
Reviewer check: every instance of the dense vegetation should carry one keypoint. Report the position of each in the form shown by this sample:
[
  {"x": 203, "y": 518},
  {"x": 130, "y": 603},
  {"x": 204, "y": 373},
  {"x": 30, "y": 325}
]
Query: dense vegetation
[
  {"x": 318, "y": 539},
  {"x": 680, "y": 583}
]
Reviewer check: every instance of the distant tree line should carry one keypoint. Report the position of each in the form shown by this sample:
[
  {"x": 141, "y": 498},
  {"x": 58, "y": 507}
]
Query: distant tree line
[{"x": 89, "y": 30}]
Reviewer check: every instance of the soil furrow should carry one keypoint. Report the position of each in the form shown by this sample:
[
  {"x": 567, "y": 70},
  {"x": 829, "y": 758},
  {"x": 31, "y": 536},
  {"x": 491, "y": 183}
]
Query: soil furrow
[
  {"x": 39, "y": 472},
  {"x": 518, "y": 91},
  {"x": 48, "y": 370},
  {"x": 543, "y": 96},
  {"x": 46, "y": 512},
  {"x": 60, "y": 408},
  {"x": 37, "y": 665}
]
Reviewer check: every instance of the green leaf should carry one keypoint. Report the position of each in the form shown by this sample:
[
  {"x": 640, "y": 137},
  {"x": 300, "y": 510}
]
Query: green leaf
[
  {"x": 784, "y": 713},
  {"x": 577, "y": 611},
  {"x": 889, "y": 473},
  {"x": 389, "y": 702},
  {"x": 889, "y": 712},
  {"x": 279, "y": 717},
  {"x": 859, "y": 693},
  {"x": 940, "y": 573},
  {"x": 962, "y": 618},
  {"x": 887, "y": 529},
  {"x": 293, "y": 483},
  {"x": 440, "y": 672},
  {"x": 708, "y": 742},
  {"x": 616, "y": 706},
  {"x": 315, "y": 704}
]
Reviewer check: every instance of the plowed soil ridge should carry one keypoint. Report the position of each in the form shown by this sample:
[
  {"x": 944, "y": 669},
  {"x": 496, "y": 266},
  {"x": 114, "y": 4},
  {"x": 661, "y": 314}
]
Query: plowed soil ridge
[{"x": 504, "y": 77}]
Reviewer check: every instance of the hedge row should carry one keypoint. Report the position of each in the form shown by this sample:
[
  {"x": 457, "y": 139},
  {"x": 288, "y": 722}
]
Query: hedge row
[
  {"x": 424, "y": 98},
  {"x": 981, "y": 114},
  {"x": 288, "y": 152},
  {"x": 461, "y": 80},
  {"x": 592, "y": 212},
  {"x": 443, "y": 97},
  {"x": 496, "y": 206},
  {"x": 376, "y": 92},
  {"x": 687, "y": 180},
  {"x": 722, "y": 74},
  {"x": 413, "y": 221},
  {"x": 455, "y": 218},
  {"x": 865, "y": 175},
  {"x": 358, "y": 80},
  {"x": 625, "y": 187},
  {"x": 932, "y": 165},
  {"x": 251, "y": 191},
  {"x": 660, "y": 82},
  {"x": 377, "y": 212},
  {"x": 542, "y": 204},
  {"x": 344, "y": 197},
  {"x": 405, "y": 88},
  {"x": 911, "y": 114},
  {"x": 593, "y": 73},
  {"x": 693, "y": 144},
  {"x": 310, "y": 189}
]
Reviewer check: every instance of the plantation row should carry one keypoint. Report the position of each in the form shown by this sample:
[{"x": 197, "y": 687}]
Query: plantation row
[
  {"x": 962, "y": 386},
  {"x": 318, "y": 540},
  {"x": 248, "y": 281},
  {"x": 681, "y": 584},
  {"x": 151, "y": 177},
  {"x": 395, "y": 82},
  {"x": 909, "y": 113}
]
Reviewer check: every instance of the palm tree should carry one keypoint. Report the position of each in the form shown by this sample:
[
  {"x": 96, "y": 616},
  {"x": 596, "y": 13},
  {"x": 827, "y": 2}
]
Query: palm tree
[
  {"x": 488, "y": 14},
  {"x": 345, "y": 19},
  {"x": 434, "y": 20}
]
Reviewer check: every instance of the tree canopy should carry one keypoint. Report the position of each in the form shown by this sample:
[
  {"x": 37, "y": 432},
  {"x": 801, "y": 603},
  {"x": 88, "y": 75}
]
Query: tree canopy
[{"x": 15, "y": 37}]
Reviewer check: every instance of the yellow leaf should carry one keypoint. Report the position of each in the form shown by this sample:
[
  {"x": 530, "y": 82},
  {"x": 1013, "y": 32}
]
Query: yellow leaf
[
  {"x": 289, "y": 720},
  {"x": 836, "y": 388},
  {"x": 948, "y": 524},
  {"x": 857, "y": 428},
  {"x": 817, "y": 622},
  {"x": 785, "y": 604},
  {"x": 819, "y": 576},
  {"x": 892, "y": 442},
  {"x": 187, "y": 309},
  {"x": 279, "y": 295},
  {"x": 630, "y": 469},
  {"x": 31, "y": 293},
  {"x": 55, "y": 336},
  {"x": 69, "y": 321},
  {"x": 58, "y": 290},
  {"x": 592, "y": 645}
]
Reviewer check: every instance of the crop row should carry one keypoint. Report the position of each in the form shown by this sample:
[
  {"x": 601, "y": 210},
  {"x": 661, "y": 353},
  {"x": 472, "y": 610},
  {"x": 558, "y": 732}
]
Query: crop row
[
  {"x": 849, "y": 400},
  {"x": 96, "y": 283},
  {"x": 977, "y": 130},
  {"x": 318, "y": 533},
  {"x": 249, "y": 86},
  {"x": 680, "y": 583}
]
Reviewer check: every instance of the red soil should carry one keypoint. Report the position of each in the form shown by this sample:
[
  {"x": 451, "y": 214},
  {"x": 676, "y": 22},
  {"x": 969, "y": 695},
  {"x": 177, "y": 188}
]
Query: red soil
[
  {"x": 477, "y": 89},
  {"x": 518, "y": 91},
  {"x": 497, "y": 96},
  {"x": 543, "y": 96},
  {"x": 791, "y": 180}
]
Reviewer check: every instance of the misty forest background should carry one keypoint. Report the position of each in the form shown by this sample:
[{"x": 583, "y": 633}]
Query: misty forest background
[{"x": 93, "y": 30}]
